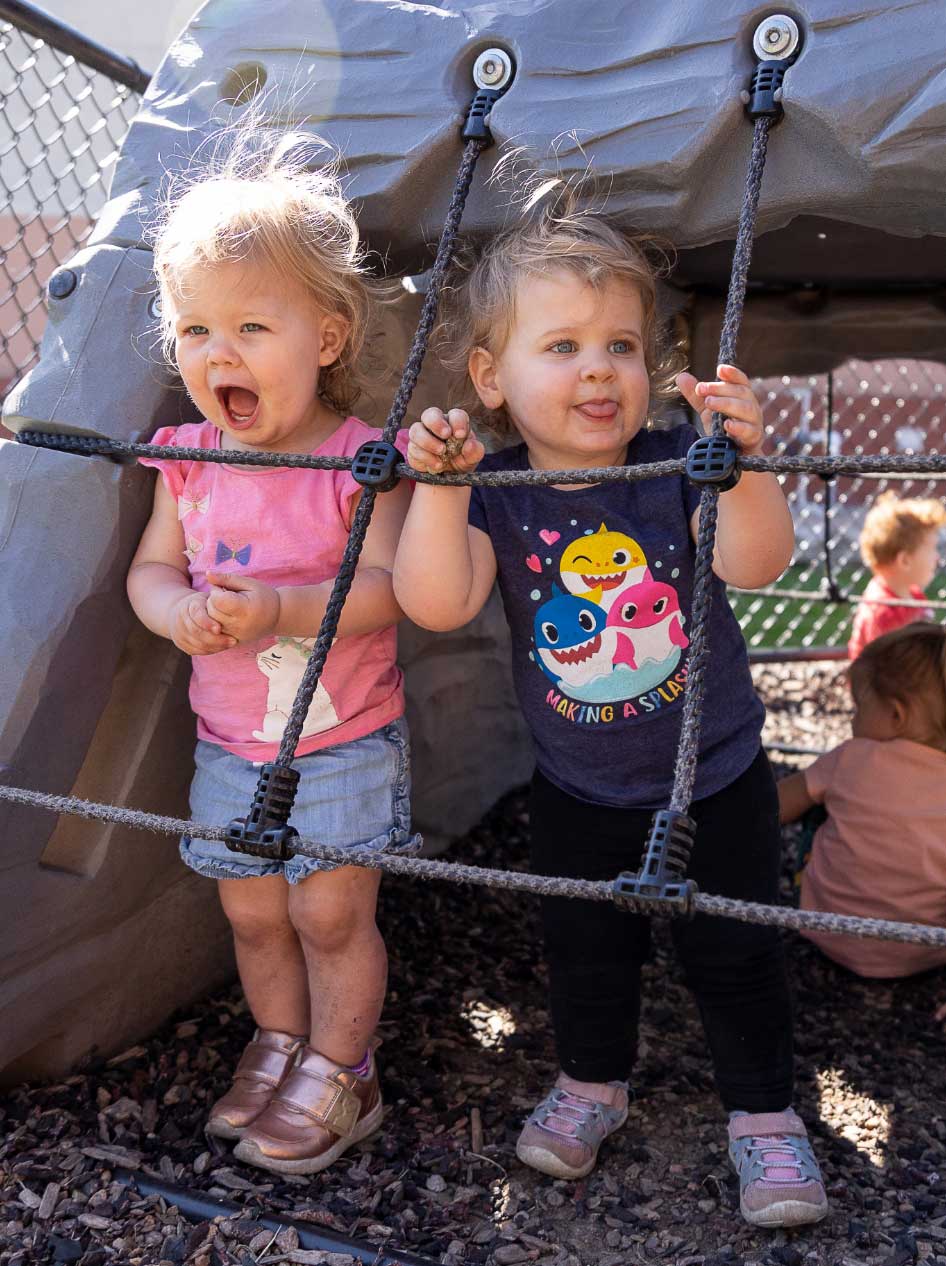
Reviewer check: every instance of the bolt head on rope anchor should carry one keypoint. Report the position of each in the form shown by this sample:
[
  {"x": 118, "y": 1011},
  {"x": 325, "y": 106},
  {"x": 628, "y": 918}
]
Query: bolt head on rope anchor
[
  {"x": 713, "y": 459},
  {"x": 776, "y": 43},
  {"x": 373, "y": 465},
  {"x": 493, "y": 72},
  {"x": 264, "y": 831},
  {"x": 661, "y": 880}
]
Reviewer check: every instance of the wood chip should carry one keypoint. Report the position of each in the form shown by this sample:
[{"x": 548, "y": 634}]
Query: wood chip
[
  {"x": 133, "y": 1052},
  {"x": 476, "y": 1131},
  {"x": 47, "y": 1206}
]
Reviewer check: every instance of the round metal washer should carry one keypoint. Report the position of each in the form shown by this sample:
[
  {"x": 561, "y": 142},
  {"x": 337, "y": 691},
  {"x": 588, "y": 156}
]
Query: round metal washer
[
  {"x": 776, "y": 37},
  {"x": 62, "y": 283},
  {"x": 493, "y": 69}
]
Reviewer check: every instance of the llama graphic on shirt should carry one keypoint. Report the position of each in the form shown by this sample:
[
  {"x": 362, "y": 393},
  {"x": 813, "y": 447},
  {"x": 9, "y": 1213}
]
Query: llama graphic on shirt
[{"x": 284, "y": 663}]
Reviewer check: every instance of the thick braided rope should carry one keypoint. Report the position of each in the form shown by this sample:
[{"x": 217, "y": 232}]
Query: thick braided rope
[
  {"x": 359, "y": 527},
  {"x": 484, "y": 877},
  {"x": 684, "y": 774},
  {"x": 428, "y": 314},
  {"x": 899, "y": 466}
]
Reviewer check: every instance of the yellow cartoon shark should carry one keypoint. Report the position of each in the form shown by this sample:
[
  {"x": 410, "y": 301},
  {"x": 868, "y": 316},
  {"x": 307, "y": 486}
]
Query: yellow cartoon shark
[{"x": 597, "y": 566}]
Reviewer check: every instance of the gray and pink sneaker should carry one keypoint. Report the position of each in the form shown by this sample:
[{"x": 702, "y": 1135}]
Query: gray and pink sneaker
[
  {"x": 779, "y": 1179},
  {"x": 564, "y": 1132}
]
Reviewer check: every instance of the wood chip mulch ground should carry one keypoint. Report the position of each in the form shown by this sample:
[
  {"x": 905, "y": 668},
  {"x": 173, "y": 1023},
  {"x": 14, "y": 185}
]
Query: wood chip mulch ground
[{"x": 466, "y": 1054}]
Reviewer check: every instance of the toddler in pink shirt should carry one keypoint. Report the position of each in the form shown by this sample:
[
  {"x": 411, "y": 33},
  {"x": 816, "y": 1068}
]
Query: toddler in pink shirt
[
  {"x": 264, "y": 304},
  {"x": 881, "y": 853}
]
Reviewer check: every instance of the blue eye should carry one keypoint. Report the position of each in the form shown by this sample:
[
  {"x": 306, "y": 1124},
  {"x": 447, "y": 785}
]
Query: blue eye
[
  {"x": 621, "y": 346},
  {"x": 252, "y": 326},
  {"x": 196, "y": 329},
  {"x": 564, "y": 345}
]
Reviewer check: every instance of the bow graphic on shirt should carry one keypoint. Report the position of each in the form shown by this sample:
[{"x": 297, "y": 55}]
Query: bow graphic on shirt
[
  {"x": 241, "y": 556},
  {"x": 192, "y": 548},
  {"x": 187, "y": 504}
]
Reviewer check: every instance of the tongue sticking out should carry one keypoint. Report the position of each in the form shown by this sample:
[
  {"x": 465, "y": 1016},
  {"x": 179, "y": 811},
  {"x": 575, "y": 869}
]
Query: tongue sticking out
[{"x": 241, "y": 402}]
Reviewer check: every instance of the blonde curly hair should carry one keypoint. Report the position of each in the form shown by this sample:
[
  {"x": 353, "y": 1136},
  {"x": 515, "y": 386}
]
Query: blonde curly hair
[
  {"x": 479, "y": 300},
  {"x": 894, "y": 524},
  {"x": 273, "y": 200}
]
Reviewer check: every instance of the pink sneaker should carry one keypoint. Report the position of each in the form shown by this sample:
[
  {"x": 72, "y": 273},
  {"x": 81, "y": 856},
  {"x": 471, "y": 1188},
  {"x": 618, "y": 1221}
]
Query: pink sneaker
[
  {"x": 779, "y": 1179},
  {"x": 564, "y": 1132}
]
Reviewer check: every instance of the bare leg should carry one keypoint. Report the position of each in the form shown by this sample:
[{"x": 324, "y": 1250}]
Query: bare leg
[
  {"x": 334, "y": 914},
  {"x": 269, "y": 956}
]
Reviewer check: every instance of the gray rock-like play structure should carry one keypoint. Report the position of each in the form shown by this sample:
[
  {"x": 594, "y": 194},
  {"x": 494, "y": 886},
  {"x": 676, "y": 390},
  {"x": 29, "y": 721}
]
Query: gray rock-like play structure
[{"x": 104, "y": 931}]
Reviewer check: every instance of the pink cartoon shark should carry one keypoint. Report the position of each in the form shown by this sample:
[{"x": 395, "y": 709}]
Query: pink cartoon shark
[{"x": 649, "y": 623}]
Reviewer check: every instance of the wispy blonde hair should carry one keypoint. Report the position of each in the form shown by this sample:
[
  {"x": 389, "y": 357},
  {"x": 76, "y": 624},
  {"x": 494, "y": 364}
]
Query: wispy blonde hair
[
  {"x": 272, "y": 199},
  {"x": 894, "y": 524},
  {"x": 479, "y": 302},
  {"x": 909, "y": 665}
]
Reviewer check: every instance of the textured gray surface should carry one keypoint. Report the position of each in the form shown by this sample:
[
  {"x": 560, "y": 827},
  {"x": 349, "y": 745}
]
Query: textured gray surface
[
  {"x": 648, "y": 95},
  {"x": 647, "y": 98}
]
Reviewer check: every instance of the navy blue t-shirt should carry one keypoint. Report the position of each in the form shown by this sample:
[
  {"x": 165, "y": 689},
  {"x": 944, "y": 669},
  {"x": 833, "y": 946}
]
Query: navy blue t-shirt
[{"x": 597, "y": 584}]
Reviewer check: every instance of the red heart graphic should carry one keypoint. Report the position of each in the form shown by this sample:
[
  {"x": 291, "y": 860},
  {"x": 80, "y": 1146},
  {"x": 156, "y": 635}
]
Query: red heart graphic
[
  {"x": 533, "y": 564},
  {"x": 548, "y": 536}
]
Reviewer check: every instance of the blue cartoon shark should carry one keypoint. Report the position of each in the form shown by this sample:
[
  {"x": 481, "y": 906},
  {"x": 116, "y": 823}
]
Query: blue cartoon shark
[{"x": 572, "y": 640}]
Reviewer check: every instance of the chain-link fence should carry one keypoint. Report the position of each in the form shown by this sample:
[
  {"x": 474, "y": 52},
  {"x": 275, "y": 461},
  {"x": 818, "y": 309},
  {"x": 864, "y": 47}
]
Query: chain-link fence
[
  {"x": 66, "y": 106},
  {"x": 863, "y": 407}
]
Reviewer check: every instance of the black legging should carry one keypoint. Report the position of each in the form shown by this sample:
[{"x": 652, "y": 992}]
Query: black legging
[{"x": 735, "y": 970}]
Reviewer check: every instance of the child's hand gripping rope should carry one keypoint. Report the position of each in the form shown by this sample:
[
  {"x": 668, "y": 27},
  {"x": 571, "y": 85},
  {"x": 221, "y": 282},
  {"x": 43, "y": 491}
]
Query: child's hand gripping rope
[
  {"x": 731, "y": 395},
  {"x": 439, "y": 443}
]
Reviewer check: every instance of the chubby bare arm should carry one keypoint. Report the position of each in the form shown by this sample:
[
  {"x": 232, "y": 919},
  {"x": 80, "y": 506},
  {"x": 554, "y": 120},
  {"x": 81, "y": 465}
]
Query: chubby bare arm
[
  {"x": 444, "y": 569},
  {"x": 248, "y": 609},
  {"x": 159, "y": 587},
  {"x": 755, "y": 535},
  {"x": 793, "y": 798}
]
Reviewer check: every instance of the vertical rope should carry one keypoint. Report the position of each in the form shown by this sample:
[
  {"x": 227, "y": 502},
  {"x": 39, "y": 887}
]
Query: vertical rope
[
  {"x": 359, "y": 527},
  {"x": 684, "y": 774}
]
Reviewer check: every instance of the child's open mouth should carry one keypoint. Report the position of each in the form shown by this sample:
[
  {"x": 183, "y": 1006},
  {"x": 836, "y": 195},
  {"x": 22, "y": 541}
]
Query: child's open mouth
[{"x": 240, "y": 406}]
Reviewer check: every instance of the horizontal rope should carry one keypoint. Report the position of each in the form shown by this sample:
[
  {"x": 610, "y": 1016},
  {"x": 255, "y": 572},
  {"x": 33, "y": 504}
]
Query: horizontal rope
[
  {"x": 88, "y": 445},
  {"x": 484, "y": 877},
  {"x": 816, "y": 595}
]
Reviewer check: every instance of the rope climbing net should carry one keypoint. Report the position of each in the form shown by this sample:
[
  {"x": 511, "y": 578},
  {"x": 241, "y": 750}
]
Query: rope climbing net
[{"x": 713, "y": 463}]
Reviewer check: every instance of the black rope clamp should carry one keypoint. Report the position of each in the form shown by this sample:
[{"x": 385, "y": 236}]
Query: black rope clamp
[
  {"x": 264, "y": 831},
  {"x": 662, "y": 876},
  {"x": 764, "y": 98},
  {"x": 476, "y": 127},
  {"x": 373, "y": 465},
  {"x": 713, "y": 459}
]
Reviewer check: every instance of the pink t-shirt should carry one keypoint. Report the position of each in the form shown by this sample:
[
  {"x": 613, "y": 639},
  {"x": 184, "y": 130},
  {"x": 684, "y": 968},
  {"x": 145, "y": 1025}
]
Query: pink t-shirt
[
  {"x": 283, "y": 527},
  {"x": 882, "y": 852},
  {"x": 873, "y": 618}
]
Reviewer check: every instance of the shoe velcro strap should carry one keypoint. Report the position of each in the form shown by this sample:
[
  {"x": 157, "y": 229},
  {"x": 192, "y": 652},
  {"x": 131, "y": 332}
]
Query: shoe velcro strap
[
  {"x": 767, "y": 1124},
  {"x": 264, "y": 1063},
  {"x": 330, "y": 1104}
]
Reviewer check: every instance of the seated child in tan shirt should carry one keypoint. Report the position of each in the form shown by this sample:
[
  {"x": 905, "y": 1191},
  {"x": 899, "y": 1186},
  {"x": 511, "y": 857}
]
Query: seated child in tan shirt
[{"x": 881, "y": 853}]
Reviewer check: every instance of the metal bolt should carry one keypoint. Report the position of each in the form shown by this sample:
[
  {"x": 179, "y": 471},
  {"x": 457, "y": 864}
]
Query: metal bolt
[
  {"x": 777, "y": 37},
  {"x": 492, "y": 69},
  {"x": 62, "y": 283}
]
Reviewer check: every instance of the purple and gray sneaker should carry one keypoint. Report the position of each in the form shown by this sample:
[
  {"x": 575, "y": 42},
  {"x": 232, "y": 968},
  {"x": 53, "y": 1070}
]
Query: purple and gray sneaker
[{"x": 779, "y": 1179}]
